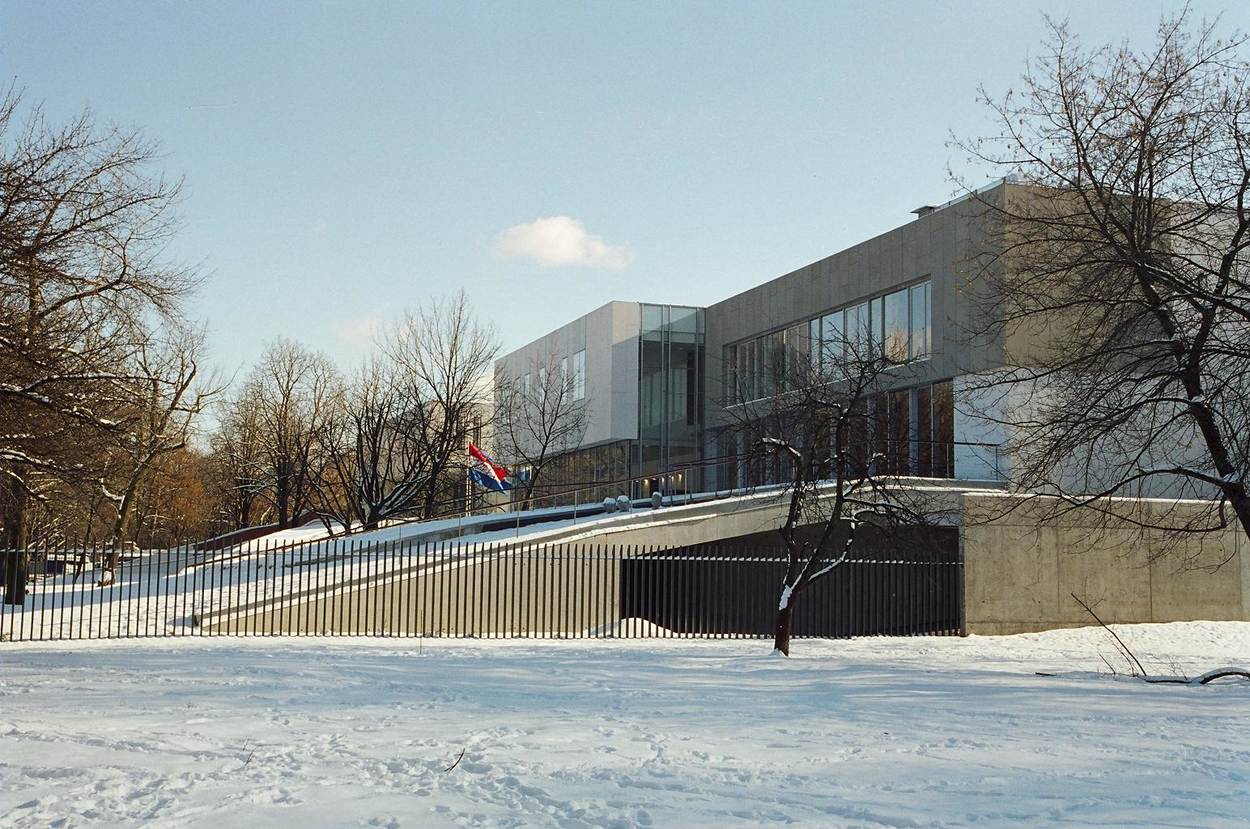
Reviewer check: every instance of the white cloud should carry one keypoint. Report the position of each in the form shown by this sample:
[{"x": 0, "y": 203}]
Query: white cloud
[
  {"x": 561, "y": 240},
  {"x": 360, "y": 330}
]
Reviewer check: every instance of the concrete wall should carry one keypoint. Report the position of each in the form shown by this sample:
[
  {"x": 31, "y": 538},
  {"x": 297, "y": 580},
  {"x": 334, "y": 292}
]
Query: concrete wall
[
  {"x": 939, "y": 246},
  {"x": 609, "y": 335},
  {"x": 1022, "y": 563}
]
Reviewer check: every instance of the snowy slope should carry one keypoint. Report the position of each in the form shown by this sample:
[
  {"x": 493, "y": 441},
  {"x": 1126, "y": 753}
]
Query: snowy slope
[{"x": 868, "y": 733}]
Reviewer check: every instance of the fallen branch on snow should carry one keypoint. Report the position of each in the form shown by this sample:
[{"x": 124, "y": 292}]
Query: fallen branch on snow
[
  {"x": 1209, "y": 676},
  {"x": 458, "y": 759},
  {"x": 1204, "y": 679}
]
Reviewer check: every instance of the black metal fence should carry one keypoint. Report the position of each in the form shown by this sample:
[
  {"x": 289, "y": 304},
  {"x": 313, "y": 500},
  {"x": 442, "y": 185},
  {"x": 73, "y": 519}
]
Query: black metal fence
[{"x": 340, "y": 587}]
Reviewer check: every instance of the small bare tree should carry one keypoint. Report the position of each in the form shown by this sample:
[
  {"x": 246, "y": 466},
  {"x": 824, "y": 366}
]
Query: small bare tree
[
  {"x": 1118, "y": 275},
  {"x": 838, "y": 460},
  {"x": 537, "y": 422}
]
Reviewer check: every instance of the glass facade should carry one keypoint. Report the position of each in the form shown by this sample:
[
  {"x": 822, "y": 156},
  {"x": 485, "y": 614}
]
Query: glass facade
[
  {"x": 896, "y": 326},
  {"x": 909, "y": 431},
  {"x": 585, "y": 475},
  {"x": 914, "y": 431},
  {"x": 670, "y": 398},
  {"x": 671, "y": 416}
]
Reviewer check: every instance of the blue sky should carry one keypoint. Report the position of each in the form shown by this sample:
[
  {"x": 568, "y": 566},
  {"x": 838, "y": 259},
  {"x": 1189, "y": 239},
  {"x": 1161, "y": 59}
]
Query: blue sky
[{"x": 346, "y": 160}]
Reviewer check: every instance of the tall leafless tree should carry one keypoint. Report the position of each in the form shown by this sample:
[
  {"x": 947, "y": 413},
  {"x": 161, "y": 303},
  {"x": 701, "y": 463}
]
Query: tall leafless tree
[
  {"x": 537, "y": 422},
  {"x": 294, "y": 391},
  {"x": 442, "y": 357},
  {"x": 167, "y": 393},
  {"x": 238, "y": 461},
  {"x": 1118, "y": 275},
  {"x": 84, "y": 224},
  {"x": 379, "y": 463}
]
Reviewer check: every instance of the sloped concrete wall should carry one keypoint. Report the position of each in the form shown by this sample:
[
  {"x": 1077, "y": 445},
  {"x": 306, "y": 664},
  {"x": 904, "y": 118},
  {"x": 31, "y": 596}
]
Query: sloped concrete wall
[{"x": 561, "y": 592}]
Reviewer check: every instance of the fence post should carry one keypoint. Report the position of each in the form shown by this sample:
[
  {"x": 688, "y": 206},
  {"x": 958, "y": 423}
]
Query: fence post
[{"x": 960, "y": 586}]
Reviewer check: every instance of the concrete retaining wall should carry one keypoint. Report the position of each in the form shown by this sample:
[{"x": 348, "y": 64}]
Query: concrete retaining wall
[{"x": 1022, "y": 563}]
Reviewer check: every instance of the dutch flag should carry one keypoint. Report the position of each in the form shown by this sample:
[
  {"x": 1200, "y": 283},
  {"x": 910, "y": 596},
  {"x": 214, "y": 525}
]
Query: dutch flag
[{"x": 486, "y": 473}]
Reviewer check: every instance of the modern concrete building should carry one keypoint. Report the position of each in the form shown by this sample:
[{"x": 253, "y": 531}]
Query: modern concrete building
[
  {"x": 663, "y": 381},
  {"x": 639, "y": 368}
]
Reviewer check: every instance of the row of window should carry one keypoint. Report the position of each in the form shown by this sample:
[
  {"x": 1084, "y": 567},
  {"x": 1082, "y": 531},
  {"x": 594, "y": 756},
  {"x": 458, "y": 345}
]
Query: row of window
[
  {"x": 896, "y": 326},
  {"x": 576, "y": 386},
  {"x": 904, "y": 432}
]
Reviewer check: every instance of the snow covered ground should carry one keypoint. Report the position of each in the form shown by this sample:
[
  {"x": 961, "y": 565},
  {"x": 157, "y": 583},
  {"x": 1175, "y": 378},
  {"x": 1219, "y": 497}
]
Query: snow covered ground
[{"x": 869, "y": 732}]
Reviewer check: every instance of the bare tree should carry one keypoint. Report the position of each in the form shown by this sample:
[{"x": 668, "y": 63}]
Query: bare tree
[
  {"x": 167, "y": 393},
  {"x": 537, "y": 422},
  {"x": 83, "y": 282},
  {"x": 294, "y": 390},
  {"x": 1117, "y": 274},
  {"x": 822, "y": 418},
  {"x": 378, "y": 463},
  {"x": 442, "y": 357},
  {"x": 238, "y": 466},
  {"x": 174, "y": 502}
]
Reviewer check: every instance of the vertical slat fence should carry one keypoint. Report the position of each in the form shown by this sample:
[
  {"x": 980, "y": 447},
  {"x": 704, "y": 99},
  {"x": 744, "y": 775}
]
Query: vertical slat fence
[{"x": 344, "y": 587}]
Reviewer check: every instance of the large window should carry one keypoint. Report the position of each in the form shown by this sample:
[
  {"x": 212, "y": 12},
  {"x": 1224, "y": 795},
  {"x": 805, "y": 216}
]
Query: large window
[
  {"x": 921, "y": 314},
  {"x": 858, "y": 332},
  {"x": 914, "y": 432},
  {"x": 797, "y": 346},
  {"x": 943, "y": 430},
  {"x": 746, "y": 371},
  {"x": 579, "y": 375},
  {"x": 832, "y": 340},
  {"x": 774, "y": 364},
  {"x": 896, "y": 326}
]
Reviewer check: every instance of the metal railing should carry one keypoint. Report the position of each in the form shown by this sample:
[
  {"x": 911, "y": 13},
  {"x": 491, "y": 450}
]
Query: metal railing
[
  {"x": 743, "y": 476},
  {"x": 740, "y": 477},
  {"x": 343, "y": 588}
]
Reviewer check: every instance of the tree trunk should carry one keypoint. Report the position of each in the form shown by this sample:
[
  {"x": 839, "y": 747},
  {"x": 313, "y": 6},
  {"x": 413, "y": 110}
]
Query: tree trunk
[
  {"x": 121, "y": 525},
  {"x": 781, "y": 636},
  {"x": 13, "y": 514},
  {"x": 112, "y": 559},
  {"x": 1241, "y": 507},
  {"x": 16, "y": 567},
  {"x": 282, "y": 495},
  {"x": 13, "y": 535}
]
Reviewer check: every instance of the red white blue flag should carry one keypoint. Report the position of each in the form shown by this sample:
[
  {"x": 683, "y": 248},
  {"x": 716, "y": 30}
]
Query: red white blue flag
[{"x": 485, "y": 472}]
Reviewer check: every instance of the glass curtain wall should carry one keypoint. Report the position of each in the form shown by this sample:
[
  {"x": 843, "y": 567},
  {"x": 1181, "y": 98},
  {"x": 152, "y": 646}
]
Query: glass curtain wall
[
  {"x": 670, "y": 401},
  {"x": 897, "y": 326}
]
